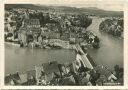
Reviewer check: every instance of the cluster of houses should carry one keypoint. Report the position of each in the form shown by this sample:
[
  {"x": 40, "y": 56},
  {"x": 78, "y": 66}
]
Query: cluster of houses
[
  {"x": 36, "y": 29},
  {"x": 30, "y": 31},
  {"x": 31, "y": 28},
  {"x": 75, "y": 73}
]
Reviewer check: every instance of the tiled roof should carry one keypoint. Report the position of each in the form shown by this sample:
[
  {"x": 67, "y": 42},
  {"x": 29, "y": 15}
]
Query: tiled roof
[
  {"x": 15, "y": 77},
  {"x": 32, "y": 22},
  {"x": 7, "y": 79},
  {"x": 50, "y": 67},
  {"x": 103, "y": 70},
  {"x": 68, "y": 81},
  {"x": 31, "y": 73},
  {"x": 23, "y": 77}
]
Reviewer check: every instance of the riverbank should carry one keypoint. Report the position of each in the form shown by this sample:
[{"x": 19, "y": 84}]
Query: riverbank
[
  {"x": 77, "y": 66},
  {"x": 12, "y": 43},
  {"x": 110, "y": 47},
  {"x": 70, "y": 46},
  {"x": 108, "y": 44}
]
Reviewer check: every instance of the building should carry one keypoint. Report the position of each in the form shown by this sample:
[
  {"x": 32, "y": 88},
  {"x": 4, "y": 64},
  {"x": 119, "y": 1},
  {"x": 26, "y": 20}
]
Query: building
[
  {"x": 31, "y": 23},
  {"x": 31, "y": 77},
  {"x": 59, "y": 42},
  {"x": 22, "y": 35},
  {"x": 13, "y": 79},
  {"x": 23, "y": 78},
  {"x": 47, "y": 72},
  {"x": 29, "y": 31}
]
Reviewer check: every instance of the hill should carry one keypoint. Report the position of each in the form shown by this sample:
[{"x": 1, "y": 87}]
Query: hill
[{"x": 65, "y": 9}]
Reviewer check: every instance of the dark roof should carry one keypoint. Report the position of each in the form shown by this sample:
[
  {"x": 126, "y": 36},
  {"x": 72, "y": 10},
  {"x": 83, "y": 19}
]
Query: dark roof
[
  {"x": 7, "y": 79},
  {"x": 68, "y": 81},
  {"x": 15, "y": 77},
  {"x": 50, "y": 67},
  {"x": 31, "y": 73}
]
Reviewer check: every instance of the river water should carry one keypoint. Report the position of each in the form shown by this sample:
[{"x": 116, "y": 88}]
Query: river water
[
  {"x": 23, "y": 59},
  {"x": 109, "y": 54}
]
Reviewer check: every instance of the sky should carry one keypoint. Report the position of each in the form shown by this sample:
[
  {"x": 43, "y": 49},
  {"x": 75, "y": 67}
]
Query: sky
[{"x": 110, "y": 5}]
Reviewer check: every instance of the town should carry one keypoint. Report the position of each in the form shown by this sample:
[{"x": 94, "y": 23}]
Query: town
[
  {"x": 48, "y": 30},
  {"x": 41, "y": 29}
]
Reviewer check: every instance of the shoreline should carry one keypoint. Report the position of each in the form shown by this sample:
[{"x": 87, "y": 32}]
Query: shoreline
[
  {"x": 73, "y": 48},
  {"x": 12, "y": 43},
  {"x": 36, "y": 67}
]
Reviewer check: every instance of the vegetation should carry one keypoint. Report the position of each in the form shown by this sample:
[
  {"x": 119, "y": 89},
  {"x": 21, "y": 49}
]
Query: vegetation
[
  {"x": 90, "y": 10},
  {"x": 112, "y": 26}
]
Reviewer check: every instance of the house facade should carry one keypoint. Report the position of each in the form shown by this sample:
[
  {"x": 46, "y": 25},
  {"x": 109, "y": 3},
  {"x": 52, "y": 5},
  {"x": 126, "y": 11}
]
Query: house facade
[{"x": 29, "y": 31}]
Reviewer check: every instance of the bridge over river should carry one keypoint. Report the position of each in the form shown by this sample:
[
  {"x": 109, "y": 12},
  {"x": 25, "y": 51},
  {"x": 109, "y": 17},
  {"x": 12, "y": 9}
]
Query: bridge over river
[{"x": 109, "y": 54}]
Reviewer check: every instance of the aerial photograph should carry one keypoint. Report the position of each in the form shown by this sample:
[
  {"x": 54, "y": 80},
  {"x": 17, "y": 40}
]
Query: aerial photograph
[{"x": 63, "y": 45}]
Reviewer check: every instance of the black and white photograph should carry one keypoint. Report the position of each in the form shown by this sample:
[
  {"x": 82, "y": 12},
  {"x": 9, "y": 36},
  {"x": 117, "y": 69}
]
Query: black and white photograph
[{"x": 64, "y": 45}]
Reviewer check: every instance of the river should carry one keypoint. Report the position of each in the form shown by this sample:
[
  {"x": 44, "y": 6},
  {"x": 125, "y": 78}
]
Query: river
[
  {"x": 23, "y": 59},
  {"x": 109, "y": 54}
]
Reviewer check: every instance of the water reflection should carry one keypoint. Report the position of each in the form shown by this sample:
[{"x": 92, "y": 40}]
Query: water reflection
[
  {"x": 110, "y": 52},
  {"x": 22, "y": 59}
]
